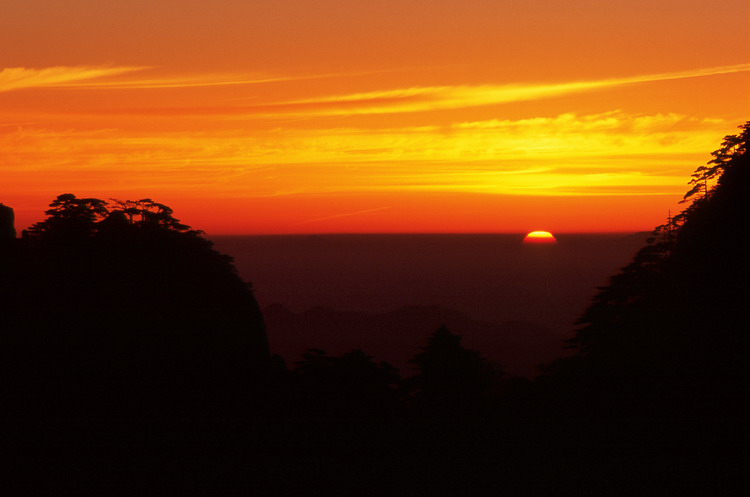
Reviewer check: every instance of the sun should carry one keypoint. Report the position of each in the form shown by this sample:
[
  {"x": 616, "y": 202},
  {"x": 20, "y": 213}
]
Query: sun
[{"x": 540, "y": 237}]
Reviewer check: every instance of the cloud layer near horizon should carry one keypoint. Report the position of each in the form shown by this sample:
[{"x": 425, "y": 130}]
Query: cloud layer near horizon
[{"x": 567, "y": 154}]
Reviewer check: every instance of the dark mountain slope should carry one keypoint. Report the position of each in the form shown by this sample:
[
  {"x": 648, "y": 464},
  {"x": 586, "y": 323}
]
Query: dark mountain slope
[
  {"x": 123, "y": 311},
  {"x": 668, "y": 334}
]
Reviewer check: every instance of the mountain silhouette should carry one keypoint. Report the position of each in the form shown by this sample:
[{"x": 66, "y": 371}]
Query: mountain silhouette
[
  {"x": 668, "y": 334},
  {"x": 396, "y": 336},
  {"x": 117, "y": 309}
]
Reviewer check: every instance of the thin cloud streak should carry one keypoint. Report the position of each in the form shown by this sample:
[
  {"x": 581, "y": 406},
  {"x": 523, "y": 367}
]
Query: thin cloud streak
[
  {"x": 19, "y": 78},
  {"x": 231, "y": 79},
  {"x": 420, "y": 99},
  {"x": 344, "y": 214},
  {"x": 404, "y": 100},
  {"x": 14, "y": 78},
  {"x": 197, "y": 81},
  {"x": 80, "y": 77}
]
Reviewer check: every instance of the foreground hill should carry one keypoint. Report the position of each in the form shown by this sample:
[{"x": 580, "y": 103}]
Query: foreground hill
[{"x": 120, "y": 310}]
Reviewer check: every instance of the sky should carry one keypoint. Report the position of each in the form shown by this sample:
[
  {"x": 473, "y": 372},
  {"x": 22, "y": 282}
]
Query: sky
[{"x": 338, "y": 116}]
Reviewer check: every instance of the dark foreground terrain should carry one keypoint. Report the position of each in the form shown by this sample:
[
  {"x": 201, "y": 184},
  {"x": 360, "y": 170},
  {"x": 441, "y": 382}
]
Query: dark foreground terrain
[{"x": 134, "y": 360}]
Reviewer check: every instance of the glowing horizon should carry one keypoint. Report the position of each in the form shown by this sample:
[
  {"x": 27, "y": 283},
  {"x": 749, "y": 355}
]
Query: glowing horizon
[{"x": 489, "y": 117}]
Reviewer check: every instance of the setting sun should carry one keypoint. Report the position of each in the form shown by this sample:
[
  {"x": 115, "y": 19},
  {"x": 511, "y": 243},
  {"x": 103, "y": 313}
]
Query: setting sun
[{"x": 544, "y": 237}]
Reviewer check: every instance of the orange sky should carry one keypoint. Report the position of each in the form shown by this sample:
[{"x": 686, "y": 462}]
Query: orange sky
[{"x": 382, "y": 116}]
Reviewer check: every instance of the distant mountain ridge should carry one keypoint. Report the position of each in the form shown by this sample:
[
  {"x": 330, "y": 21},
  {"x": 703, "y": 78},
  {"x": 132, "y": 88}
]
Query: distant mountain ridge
[
  {"x": 386, "y": 293},
  {"x": 396, "y": 336}
]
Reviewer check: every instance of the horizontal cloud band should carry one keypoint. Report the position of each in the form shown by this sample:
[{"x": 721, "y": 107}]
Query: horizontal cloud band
[{"x": 415, "y": 99}]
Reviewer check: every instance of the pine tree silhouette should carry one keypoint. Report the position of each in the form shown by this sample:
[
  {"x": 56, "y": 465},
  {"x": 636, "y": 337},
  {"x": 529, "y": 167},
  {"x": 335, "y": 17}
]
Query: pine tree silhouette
[{"x": 452, "y": 378}]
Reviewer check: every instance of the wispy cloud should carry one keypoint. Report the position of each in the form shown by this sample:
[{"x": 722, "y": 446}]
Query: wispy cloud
[
  {"x": 402, "y": 100},
  {"x": 18, "y": 78},
  {"x": 343, "y": 214},
  {"x": 420, "y": 99},
  {"x": 194, "y": 81},
  {"x": 570, "y": 122},
  {"x": 609, "y": 153},
  {"x": 84, "y": 77}
]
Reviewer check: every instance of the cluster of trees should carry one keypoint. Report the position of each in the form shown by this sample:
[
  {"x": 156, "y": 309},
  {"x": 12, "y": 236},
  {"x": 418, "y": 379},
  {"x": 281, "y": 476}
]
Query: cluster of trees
[{"x": 450, "y": 380}]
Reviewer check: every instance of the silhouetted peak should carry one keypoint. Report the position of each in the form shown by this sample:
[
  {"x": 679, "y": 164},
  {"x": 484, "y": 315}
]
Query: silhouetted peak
[
  {"x": 669, "y": 328},
  {"x": 127, "y": 307}
]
